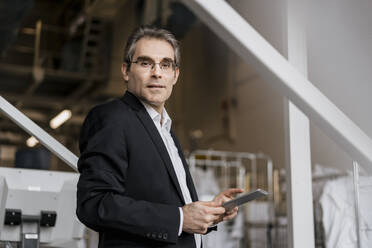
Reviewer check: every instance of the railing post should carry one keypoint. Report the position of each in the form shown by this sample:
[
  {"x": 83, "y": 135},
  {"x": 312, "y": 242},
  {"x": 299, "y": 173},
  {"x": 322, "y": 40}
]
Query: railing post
[
  {"x": 298, "y": 155},
  {"x": 356, "y": 201}
]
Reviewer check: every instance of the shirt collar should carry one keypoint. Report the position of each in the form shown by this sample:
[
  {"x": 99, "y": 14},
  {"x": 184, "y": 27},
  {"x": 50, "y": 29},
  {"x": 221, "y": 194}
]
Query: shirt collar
[{"x": 156, "y": 117}]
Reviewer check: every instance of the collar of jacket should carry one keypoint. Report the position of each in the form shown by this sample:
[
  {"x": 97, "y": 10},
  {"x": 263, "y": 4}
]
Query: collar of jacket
[{"x": 132, "y": 101}]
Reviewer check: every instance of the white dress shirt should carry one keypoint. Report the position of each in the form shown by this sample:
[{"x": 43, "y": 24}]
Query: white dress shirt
[{"x": 163, "y": 124}]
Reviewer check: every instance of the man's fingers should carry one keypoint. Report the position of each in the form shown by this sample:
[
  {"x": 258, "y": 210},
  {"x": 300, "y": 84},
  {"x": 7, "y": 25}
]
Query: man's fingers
[
  {"x": 216, "y": 210},
  {"x": 233, "y": 191},
  {"x": 235, "y": 209},
  {"x": 231, "y": 214},
  {"x": 209, "y": 203},
  {"x": 214, "y": 218},
  {"x": 218, "y": 220},
  {"x": 223, "y": 199},
  {"x": 213, "y": 207},
  {"x": 227, "y": 195},
  {"x": 230, "y": 217}
]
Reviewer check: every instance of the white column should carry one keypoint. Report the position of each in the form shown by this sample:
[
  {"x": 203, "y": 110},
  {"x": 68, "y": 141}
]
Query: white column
[{"x": 298, "y": 158}]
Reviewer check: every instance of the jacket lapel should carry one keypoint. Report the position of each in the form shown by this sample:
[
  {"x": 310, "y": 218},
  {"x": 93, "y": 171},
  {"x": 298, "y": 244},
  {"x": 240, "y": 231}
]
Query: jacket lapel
[
  {"x": 189, "y": 181},
  {"x": 153, "y": 132}
]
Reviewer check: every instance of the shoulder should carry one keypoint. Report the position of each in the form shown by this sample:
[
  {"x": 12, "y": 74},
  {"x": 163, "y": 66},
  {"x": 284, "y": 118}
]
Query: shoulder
[
  {"x": 104, "y": 121},
  {"x": 110, "y": 112}
]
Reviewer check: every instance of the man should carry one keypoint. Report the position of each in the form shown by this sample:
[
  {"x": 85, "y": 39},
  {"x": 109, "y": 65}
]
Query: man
[{"x": 135, "y": 188}]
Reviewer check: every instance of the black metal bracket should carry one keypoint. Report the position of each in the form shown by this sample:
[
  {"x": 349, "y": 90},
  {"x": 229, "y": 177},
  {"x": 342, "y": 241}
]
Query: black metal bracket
[{"x": 14, "y": 217}]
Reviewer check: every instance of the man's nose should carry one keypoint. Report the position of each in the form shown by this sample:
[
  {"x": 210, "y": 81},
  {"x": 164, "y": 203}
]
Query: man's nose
[{"x": 156, "y": 71}]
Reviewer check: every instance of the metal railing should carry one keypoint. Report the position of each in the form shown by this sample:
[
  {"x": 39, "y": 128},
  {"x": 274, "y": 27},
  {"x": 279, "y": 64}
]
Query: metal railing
[{"x": 33, "y": 129}]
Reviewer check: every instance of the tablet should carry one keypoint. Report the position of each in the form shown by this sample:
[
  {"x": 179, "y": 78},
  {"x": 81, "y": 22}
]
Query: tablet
[{"x": 244, "y": 198}]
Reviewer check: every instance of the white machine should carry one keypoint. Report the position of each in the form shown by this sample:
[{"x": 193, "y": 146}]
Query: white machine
[{"x": 37, "y": 208}]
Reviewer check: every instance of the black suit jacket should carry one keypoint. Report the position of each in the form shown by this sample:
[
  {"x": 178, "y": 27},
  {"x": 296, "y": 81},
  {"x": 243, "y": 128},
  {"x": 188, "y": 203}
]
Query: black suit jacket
[{"x": 128, "y": 190}]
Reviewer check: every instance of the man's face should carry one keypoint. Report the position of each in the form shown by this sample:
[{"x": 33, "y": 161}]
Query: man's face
[{"x": 151, "y": 85}]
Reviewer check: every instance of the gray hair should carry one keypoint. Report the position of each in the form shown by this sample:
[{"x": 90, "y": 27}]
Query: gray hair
[{"x": 150, "y": 32}]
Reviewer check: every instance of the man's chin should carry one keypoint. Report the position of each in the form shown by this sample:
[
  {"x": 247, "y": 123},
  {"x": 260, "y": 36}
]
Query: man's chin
[{"x": 154, "y": 102}]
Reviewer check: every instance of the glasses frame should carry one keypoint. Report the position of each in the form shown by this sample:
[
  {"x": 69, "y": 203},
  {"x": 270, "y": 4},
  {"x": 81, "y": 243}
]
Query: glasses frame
[{"x": 153, "y": 63}]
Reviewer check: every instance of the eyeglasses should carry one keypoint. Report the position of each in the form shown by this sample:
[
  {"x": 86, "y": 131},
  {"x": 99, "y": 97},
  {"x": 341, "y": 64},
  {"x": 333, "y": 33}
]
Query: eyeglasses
[{"x": 166, "y": 65}]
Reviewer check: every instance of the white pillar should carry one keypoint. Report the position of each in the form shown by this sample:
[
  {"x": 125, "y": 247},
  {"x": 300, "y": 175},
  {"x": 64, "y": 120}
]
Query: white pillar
[{"x": 298, "y": 159}]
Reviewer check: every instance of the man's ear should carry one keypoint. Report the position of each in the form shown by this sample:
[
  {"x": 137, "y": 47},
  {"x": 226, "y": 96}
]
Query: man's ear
[
  {"x": 176, "y": 74},
  {"x": 125, "y": 71}
]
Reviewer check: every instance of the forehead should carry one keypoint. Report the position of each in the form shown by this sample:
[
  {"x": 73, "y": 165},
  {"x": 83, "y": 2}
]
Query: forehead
[{"x": 154, "y": 48}]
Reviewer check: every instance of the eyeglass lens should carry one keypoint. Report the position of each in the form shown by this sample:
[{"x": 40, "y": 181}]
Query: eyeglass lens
[{"x": 145, "y": 62}]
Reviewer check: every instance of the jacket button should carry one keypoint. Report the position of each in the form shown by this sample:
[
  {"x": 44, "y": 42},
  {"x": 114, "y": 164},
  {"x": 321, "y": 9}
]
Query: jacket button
[
  {"x": 148, "y": 235},
  {"x": 153, "y": 235},
  {"x": 165, "y": 236},
  {"x": 160, "y": 235}
]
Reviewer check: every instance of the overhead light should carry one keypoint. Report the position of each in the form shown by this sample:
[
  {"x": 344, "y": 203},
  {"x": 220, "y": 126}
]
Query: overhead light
[
  {"x": 32, "y": 141},
  {"x": 60, "y": 119}
]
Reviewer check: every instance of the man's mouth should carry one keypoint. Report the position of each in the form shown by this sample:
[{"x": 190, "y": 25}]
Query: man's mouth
[{"x": 155, "y": 86}]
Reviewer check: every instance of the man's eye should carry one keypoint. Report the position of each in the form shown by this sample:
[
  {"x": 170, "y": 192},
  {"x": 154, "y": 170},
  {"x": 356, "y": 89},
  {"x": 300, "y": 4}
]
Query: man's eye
[
  {"x": 165, "y": 65},
  {"x": 145, "y": 63}
]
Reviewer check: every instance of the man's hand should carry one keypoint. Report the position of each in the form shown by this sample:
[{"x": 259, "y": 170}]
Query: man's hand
[
  {"x": 225, "y": 196},
  {"x": 198, "y": 216}
]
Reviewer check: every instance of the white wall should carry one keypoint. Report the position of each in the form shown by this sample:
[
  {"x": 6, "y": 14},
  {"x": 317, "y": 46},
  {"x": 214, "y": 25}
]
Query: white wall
[
  {"x": 339, "y": 62},
  {"x": 340, "y": 65}
]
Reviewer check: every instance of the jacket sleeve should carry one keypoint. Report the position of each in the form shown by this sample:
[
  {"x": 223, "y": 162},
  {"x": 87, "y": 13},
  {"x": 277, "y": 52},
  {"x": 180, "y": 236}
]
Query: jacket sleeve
[{"x": 102, "y": 203}]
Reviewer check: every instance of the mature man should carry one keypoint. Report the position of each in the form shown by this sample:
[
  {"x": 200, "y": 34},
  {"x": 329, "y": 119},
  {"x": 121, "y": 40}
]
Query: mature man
[{"x": 135, "y": 188}]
